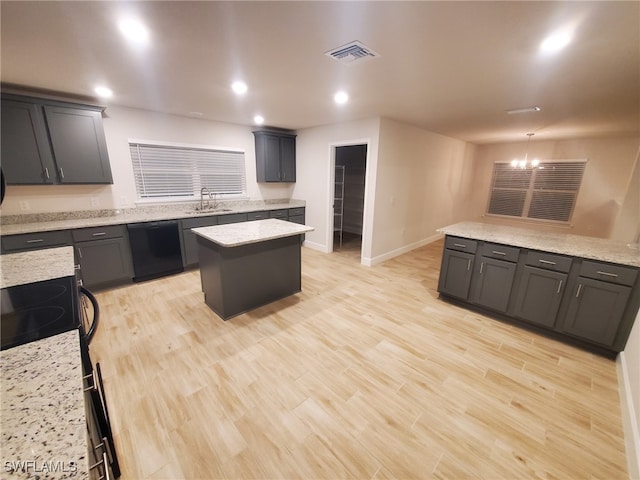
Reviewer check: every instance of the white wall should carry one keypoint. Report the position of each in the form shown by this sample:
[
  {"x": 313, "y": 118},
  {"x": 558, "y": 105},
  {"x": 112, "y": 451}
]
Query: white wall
[
  {"x": 424, "y": 182},
  {"x": 629, "y": 381},
  {"x": 604, "y": 186},
  {"x": 314, "y": 177},
  {"x": 122, "y": 124}
]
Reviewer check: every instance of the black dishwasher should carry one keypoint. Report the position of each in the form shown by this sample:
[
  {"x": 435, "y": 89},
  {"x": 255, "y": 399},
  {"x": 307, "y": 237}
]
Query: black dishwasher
[{"x": 155, "y": 249}]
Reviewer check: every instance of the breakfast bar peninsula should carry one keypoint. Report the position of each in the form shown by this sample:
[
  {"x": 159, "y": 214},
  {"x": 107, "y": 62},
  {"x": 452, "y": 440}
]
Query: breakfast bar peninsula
[{"x": 246, "y": 265}]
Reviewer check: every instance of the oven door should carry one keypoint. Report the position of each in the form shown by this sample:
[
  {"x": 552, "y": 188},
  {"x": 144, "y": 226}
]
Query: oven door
[{"x": 37, "y": 310}]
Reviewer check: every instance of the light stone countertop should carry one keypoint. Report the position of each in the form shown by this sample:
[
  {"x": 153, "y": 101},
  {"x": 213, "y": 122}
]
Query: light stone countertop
[
  {"x": 101, "y": 218},
  {"x": 36, "y": 266},
  {"x": 43, "y": 411},
  {"x": 236, "y": 234},
  {"x": 574, "y": 245}
]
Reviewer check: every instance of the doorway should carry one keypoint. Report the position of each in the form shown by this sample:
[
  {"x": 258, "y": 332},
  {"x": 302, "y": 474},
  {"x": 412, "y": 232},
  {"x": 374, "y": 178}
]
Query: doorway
[{"x": 348, "y": 204}]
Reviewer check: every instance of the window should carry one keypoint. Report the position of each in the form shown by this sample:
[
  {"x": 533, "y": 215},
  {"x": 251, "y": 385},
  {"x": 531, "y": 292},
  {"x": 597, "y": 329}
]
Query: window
[
  {"x": 546, "y": 192},
  {"x": 179, "y": 172}
]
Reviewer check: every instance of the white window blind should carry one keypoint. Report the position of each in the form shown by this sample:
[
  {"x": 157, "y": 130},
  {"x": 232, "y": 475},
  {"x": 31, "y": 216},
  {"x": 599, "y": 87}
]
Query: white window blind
[
  {"x": 176, "y": 171},
  {"x": 546, "y": 192}
]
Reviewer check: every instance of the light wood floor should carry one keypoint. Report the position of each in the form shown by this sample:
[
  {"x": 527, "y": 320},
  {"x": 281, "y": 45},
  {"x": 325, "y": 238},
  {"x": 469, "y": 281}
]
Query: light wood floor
[{"x": 365, "y": 374}]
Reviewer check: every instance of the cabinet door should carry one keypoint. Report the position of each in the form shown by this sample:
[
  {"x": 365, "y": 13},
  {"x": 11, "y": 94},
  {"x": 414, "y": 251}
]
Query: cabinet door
[
  {"x": 268, "y": 158},
  {"x": 79, "y": 145},
  {"x": 539, "y": 295},
  {"x": 288, "y": 159},
  {"x": 26, "y": 154},
  {"x": 455, "y": 273},
  {"x": 493, "y": 285},
  {"x": 103, "y": 261},
  {"x": 596, "y": 310}
]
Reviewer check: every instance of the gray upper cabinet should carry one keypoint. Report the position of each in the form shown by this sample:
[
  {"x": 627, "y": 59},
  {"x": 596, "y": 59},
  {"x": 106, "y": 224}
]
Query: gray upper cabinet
[
  {"x": 26, "y": 155},
  {"x": 275, "y": 156},
  {"x": 79, "y": 145},
  {"x": 48, "y": 142}
]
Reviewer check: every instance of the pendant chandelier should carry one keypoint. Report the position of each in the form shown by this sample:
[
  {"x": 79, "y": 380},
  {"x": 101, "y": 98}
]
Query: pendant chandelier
[{"x": 524, "y": 163}]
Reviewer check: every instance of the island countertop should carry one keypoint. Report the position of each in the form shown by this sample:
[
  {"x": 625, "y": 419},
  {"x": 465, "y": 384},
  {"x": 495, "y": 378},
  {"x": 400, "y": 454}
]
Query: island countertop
[
  {"x": 43, "y": 410},
  {"x": 36, "y": 266},
  {"x": 236, "y": 234},
  {"x": 574, "y": 245}
]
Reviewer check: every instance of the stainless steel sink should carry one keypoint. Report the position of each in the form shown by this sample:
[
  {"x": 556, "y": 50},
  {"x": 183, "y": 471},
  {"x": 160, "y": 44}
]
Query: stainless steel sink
[{"x": 208, "y": 210}]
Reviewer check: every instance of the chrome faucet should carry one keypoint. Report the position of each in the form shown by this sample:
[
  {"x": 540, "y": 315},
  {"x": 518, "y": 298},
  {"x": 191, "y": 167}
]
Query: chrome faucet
[{"x": 203, "y": 191}]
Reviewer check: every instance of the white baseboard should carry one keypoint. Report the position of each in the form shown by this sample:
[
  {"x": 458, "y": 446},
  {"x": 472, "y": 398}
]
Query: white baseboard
[
  {"x": 368, "y": 261},
  {"x": 629, "y": 419},
  {"x": 316, "y": 246}
]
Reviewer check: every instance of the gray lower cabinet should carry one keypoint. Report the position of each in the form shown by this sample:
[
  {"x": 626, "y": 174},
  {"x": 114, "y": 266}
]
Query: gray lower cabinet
[
  {"x": 189, "y": 241},
  {"x": 232, "y": 218},
  {"x": 539, "y": 295},
  {"x": 599, "y": 301},
  {"x": 50, "y": 142},
  {"x": 455, "y": 273},
  {"x": 596, "y": 310},
  {"x": 104, "y": 255},
  {"x": 36, "y": 241},
  {"x": 297, "y": 215},
  {"x": 576, "y": 298},
  {"x": 493, "y": 284}
]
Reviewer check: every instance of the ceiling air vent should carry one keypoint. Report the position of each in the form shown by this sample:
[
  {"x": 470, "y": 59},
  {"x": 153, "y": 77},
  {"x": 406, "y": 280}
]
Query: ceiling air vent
[{"x": 351, "y": 53}]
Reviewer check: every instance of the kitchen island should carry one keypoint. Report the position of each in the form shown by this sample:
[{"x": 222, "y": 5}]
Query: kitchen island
[
  {"x": 246, "y": 265},
  {"x": 580, "y": 289}
]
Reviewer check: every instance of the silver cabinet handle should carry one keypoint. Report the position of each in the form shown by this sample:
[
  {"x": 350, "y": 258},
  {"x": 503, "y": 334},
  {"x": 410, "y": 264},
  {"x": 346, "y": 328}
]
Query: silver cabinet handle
[
  {"x": 468, "y": 265},
  {"x": 99, "y": 234},
  {"x": 496, "y": 252},
  {"x": 79, "y": 252},
  {"x": 107, "y": 475},
  {"x": 614, "y": 275},
  {"x": 579, "y": 290},
  {"x": 36, "y": 240},
  {"x": 461, "y": 245},
  {"x": 559, "y": 287},
  {"x": 481, "y": 267},
  {"x": 107, "y": 449},
  {"x": 547, "y": 262},
  {"x": 61, "y": 172},
  {"x": 46, "y": 172}
]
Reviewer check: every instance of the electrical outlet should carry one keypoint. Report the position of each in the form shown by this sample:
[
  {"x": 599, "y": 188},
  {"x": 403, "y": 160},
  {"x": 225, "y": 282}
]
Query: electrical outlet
[
  {"x": 24, "y": 205},
  {"x": 95, "y": 202}
]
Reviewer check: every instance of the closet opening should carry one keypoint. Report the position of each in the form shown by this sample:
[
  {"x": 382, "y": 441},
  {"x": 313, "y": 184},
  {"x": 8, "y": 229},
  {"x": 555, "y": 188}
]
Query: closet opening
[{"x": 348, "y": 198}]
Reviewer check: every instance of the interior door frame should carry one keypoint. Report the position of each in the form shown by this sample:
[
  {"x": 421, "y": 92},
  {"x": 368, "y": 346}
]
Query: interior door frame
[{"x": 331, "y": 194}]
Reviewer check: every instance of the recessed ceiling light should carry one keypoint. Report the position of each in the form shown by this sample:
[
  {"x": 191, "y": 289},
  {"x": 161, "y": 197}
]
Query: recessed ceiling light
[
  {"x": 341, "y": 97},
  {"x": 239, "y": 87},
  {"x": 258, "y": 119},
  {"x": 514, "y": 111},
  {"x": 555, "y": 42},
  {"x": 134, "y": 31},
  {"x": 103, "y": 92}
]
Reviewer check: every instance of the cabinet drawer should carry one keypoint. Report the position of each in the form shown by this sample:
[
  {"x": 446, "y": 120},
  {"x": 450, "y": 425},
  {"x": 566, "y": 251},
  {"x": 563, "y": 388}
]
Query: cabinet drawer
[
  {"x": 232, "y": 218},
  {"x": 296, "y": 211},
  {"x": 608, "y": 273},
  {"x": 281, "y": 214},
  {"x": 33, "y": 241},
  {"x": 502, "y": 252},
  {"x": 199, "y": 222},
  {"x": 461, "y": 244},
  {"x": 97, "y": 233},
  {"x": 549, "y": 261},
  {"x": 258, "y": 215}
]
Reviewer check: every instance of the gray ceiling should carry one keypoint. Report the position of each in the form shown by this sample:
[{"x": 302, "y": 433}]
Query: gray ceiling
[{"x": 449, "y": 67}]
